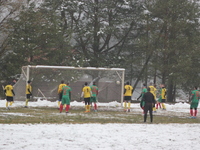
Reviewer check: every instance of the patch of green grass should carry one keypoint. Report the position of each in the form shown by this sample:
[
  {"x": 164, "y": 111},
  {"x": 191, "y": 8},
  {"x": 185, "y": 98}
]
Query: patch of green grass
[{"x": 32, "y": 115}]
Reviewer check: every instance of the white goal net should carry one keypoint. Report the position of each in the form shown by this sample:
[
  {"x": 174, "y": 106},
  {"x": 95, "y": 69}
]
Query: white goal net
[{"x": 46, "y": 79}]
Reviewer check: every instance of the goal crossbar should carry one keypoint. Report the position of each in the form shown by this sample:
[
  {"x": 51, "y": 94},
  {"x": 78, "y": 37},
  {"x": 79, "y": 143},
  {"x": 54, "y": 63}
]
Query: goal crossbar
[{"x": 81, "y": 68}]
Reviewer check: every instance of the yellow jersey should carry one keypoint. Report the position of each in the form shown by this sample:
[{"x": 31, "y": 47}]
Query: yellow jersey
[
  {"x": 28, "y": 89},
  {"x": 8, "y": 90},
  {"x": 163, "y": 93},
  {"x": 86, "y": 92},
  {"x": 128, "y": 90},
  {"x": 60, "y": 87},
  {"x": 153, "y": 91}
]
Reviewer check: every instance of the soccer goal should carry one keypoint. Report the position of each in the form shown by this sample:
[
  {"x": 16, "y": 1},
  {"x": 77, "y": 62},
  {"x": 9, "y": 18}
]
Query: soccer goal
[{"x": 45, "y": 81}]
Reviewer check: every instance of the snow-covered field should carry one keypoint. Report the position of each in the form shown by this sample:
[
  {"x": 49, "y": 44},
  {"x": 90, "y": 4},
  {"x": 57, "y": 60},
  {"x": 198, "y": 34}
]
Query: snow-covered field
[{"x": 100, "y": 136}]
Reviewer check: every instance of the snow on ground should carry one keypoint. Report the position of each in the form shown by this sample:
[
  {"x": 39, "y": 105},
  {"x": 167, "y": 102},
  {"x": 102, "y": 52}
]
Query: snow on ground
[{"x": 99, "y": 136}]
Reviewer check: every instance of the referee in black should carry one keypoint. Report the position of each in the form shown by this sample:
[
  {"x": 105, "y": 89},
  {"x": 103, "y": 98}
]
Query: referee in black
[{"x": 149, "y": 100}]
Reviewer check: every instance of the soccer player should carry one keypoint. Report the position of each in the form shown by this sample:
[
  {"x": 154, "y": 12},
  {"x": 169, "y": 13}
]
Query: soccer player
[
  {"x": 159, "y": 97},
  {"x": 95, "y": 92},
  {"x": 128, "y": 91},
  {"x": 9, "y": 95},
  {"x": 28, "y": 93},
  {"x": 61, "y": 85},
  {"x": 66, "y": 97},
  {"x": 153, "y": 91},
  {"x": 194, "y": 102},
  {"x": 86, "y": 93},
  {"x": 149, "y": 100},
  {"x": 144, "y": 90},
  {"x": 163, "y": 96}
]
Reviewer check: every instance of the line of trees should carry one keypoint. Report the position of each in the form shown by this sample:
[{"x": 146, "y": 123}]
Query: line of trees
[{"x": 153, "y": 40}]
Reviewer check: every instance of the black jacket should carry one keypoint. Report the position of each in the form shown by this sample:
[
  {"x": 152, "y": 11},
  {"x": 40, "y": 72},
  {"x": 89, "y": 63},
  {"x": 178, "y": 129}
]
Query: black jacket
[{"x": 149, "y": 98}]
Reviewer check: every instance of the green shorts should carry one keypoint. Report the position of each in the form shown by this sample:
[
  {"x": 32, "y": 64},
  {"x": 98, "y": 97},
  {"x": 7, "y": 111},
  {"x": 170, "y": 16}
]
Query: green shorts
[
  {"x": 160, "y": 99},
  {"x": 194, "y": 105},
  {"x": 65, "y": 100},
  {"x": 93, "y": 99}
]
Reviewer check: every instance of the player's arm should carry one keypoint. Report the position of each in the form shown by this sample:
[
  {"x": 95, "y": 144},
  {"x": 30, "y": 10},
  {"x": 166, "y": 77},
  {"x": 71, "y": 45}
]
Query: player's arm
[
  {"x": 13, "y": 92},
  {"x": 29, "y": 91}
]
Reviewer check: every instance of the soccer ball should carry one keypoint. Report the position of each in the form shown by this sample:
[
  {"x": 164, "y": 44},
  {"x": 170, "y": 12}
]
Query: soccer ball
[{"x": 118, "y": 82}]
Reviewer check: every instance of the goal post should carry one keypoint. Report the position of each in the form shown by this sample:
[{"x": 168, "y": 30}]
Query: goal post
[{"x": 45, "y": 81}]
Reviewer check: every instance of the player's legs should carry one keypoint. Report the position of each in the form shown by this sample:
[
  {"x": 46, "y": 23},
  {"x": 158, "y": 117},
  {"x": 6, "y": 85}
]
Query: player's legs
[
  {"x": 8, "y": 100},
  {"x": 127, "y": 100},
  {"x": 125, "y": 105},
  {"x": 150, "y": 112},
  {"x": 59, "y": 100},
  {"x": 87, "y": 104},
  {"x": 11, "y": 103},
  {"x": 27, "y": 99},
  {"x": 129, "y": 105},
  {"x": 67, "y": 104},
  {"x": 193, "y": 110},
  {"x": 158, "y": 103},
  {"x": 146, "y": 108},
  {"x": 94, "y": 100},
  {"x": 64, "y": 101},
  {"x": 163, "y": 104}
]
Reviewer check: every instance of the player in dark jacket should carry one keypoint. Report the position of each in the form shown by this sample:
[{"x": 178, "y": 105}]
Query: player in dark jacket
[{"x": 149, "y": 100}]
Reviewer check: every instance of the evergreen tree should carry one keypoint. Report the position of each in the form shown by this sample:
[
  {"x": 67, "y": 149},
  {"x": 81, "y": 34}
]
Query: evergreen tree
[{"x": 177, "y": 21}]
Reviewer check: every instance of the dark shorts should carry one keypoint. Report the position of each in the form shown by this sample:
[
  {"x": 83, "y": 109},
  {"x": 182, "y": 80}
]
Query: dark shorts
[
  {"x": 28, "y": 96},
  {"x": 9, "y": 98},
  {"x": 127, "y": 98},
  {"x": 87, "y": 101},
  {"x": 163, "y": 100}
]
